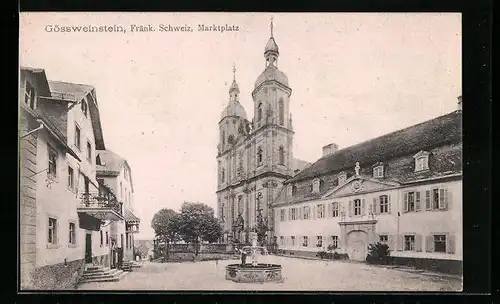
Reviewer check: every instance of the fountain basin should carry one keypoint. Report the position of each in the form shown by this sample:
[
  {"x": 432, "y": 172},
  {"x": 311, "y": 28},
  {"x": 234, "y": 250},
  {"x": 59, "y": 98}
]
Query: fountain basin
[{"x": 249, "y": 273}]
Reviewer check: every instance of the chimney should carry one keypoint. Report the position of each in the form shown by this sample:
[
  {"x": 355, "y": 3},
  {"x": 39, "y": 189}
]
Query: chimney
[
  {"x": 459, "y": 103},
  {"x": 330, "y": 149}
]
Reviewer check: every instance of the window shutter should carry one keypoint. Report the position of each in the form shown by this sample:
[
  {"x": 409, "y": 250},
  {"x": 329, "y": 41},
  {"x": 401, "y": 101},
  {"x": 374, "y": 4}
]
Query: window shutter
[
  {"x": 300, "y": 213},
  {"x": 405, "y": 202},
  {"x": 314, "y": 212},
  {"x": 375, "y": 210},
  {"x": 450, "y": 243},
  {"x": 363, "y": 207},
  {"x": 350, "y": 208},
  {"x": 443, "y": 199},
  {"x": 390, "y": 240},
  {"x": 418, "y": 242},
  {"x": 284, "y": 215},
  {"x": 329, "y": 213},
  {"x": 417, "y": 201},
  {"x": 400, "y": 242},
  {"x": 429, "y": 243},
  {"x": 290, "y": 214},
  {"x": 428, "y": 200},
  {"x": 371, "y": 210},
  {"x": 388, "y": 203}
]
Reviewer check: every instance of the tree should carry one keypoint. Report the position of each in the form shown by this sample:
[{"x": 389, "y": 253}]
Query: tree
[
  {"x": 165, "y": 223},
  {"x": 261, "y": 229},
  {"x": 197, "y": 223}
]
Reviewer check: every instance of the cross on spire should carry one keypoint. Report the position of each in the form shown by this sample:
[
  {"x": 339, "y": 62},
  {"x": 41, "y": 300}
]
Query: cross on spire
[
  {"x": 271, "y": 26},
  {"x": 234, "y": 72}
]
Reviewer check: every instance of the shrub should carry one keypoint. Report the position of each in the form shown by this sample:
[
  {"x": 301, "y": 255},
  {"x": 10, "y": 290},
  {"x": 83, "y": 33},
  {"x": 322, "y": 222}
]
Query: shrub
[
  {"x": 321, "y": 254},
  {"x": 378, "y": 253}
]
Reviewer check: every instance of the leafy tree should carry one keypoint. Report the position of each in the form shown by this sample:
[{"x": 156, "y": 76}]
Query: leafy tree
[
  {"x": 378, "y": 253},
  {"x": 197, "y": 223},
  {"x": 165, "y": 223}
]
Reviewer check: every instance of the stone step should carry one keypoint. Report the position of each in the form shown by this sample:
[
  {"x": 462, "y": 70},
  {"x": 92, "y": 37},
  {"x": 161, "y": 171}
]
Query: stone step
[
  {"x": 100, "y": 274},
  {"x": 97, "y": 270},
  {"x": 94, "y": 267},
  {"x": 116, "y": 277}
]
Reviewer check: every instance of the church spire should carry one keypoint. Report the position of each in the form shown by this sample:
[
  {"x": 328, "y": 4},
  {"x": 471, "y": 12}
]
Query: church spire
[
  {"x": 234, "y": 90},
  {"x": 271, "y": 27},
  {"x": 271, "y": 51}
]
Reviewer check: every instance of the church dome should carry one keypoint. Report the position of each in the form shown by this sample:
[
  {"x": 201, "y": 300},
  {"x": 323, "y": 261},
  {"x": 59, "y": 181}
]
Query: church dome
[
  {"x": 272, "y": 73},
  {"x": 234, "y": 108},
  {"x": 271, "y": 46}
]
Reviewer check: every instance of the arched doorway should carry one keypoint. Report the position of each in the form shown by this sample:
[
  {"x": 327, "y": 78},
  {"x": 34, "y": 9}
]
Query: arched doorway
[{"x": 357, "y": 242}]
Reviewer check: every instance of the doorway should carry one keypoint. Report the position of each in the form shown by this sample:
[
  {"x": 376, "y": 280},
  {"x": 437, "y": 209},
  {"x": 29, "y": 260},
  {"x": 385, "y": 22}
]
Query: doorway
[
  {"x": 88, "y": 248},
  {"x": 356, "y": 245}
]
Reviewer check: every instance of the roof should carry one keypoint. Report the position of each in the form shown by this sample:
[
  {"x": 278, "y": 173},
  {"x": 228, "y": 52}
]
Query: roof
[
  {"x": 234, "y": 108},
  {"x": 76, "y": 92},
  {"x": 129, "y": 216},
  {"x": 271, "y": 46},
  {"x": 113, "y": 164},
  {"x": 41, "y": 78},
  {"x": 424, "y": 136},
  {"x": 234, "y": 86},
  {"x": 271, "y": 73},
  {"x": 298, "y": 164}
]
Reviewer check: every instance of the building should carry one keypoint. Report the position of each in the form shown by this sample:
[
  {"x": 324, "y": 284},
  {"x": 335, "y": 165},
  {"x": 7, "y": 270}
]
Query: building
[
  {"x": 61, "y": 223},
  {"x": 403, "y": 188},
  {"x": 115, "y": 175},
  {"x": 255, "y": 156}
]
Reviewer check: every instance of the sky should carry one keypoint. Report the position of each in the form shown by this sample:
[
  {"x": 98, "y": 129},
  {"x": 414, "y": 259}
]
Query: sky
[{"x": 160, "y": 94}]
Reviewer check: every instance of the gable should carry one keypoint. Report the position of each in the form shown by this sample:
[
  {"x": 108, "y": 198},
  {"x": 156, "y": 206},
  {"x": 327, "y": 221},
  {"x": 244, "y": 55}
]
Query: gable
[{"x": 357, "y": 185}]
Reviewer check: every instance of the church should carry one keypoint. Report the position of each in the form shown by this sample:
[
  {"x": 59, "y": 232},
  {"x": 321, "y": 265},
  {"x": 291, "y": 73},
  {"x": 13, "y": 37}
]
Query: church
[{"x": 255, "y": 156}]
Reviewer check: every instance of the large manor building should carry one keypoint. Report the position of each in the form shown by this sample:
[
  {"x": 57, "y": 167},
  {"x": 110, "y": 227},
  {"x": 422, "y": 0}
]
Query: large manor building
[{"x": 255, "y": 156}]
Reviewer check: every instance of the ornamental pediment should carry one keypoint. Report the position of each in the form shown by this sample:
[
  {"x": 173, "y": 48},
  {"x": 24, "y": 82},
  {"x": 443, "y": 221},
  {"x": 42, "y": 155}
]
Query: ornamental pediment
[{"x": 359, "y": 184}]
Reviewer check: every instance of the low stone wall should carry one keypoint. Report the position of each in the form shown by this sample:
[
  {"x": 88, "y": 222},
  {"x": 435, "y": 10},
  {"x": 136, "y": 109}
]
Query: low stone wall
[
  {"x": 58, "y": 276},
  {"x": 444, "y": 266}
]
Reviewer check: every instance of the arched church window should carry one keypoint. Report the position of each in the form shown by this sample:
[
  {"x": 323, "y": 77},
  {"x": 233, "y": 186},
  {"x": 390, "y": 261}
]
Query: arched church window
[
  {"x": 222, "y": 175},
  {"x": 281, "y": 155},
  {"x": 259, "y": 111},
  {"x": 281, "y": 111},
  {"x": 259, "y": 155}
]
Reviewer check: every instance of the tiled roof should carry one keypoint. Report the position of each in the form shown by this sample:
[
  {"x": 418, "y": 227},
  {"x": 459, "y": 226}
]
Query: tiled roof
[
  {"x": 299, "y": 164},
  {"x": 76, "y": 92},
  {"x": 424, "y": 136},
  {"x": 113, "y": 164},
  {"x": 42, "y": 83},
  {"x": 129, "y": 216},
  {"x": 440, "y": 136}
]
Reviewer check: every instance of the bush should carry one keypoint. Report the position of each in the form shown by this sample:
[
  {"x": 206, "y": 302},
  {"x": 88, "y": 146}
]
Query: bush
[
  {"x": 321, "y": 254},
  {"x": 378, "y": 254}
]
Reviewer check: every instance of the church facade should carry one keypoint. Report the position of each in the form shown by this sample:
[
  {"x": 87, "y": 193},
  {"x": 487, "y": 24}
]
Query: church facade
[{"x": 255, "y": 156}]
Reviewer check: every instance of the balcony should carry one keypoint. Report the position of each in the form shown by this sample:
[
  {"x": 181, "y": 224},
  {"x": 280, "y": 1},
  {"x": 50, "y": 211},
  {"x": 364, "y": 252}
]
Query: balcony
[{"x": 100, "y": 206}]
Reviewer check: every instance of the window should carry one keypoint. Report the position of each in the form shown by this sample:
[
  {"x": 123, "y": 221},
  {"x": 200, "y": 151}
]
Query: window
[
  {"x": 121, "y": 191},
  {"x": 223, "y": 175},
  {"x": 102, "y": 238},
  {"x": 315, "y": 186},
  {"x": 384, "y": 204},
  {"x": 84, "y": 107},
  {"x": 335, "y": 241},
  {"x": 440, "y": 243},
  {"x": 107, "y": 238},
  {"x": 294, "y": 190},
  {"x": 29, "y": 95},
  {"x": 410, "y": 201},
  {"x": 223, "y": 138},
  {"x": 282, "y": 215},
  {"x": 52, "y": 170},
  {"x": 71, "y": 179},
  {"x": 126, "y": 240},
  {"x": 98, "y": 160},
  {"x": 259, "y": 111},
  {"x": 281, "y": 111},
  {"x": 259, "y": 156},
  {"x": 383, "y": 238},
  {"x": 52, "y": 237},
  {"x": 357, "y": 207},
  {"x": 421, "y": 161},
  {"x": 335, "y": 209},
  {"x": 240, "y": 204},
  {"x": 293, "y": 240},
  {"x": 304, "y": 241},
  {"x": 121, "y": 240},
  {"x": 378, "y": 171},
  {"x": 89, "y": 151},
  {"x": 319, "y": 241},
  {"x": 281, "y": 159},
  {"x": 342, "y": 178},
  {"x": 305, "y": 212},
  {"x": 282, "y": 240},
  {"x": 321, "y": 210},
  {"x": 436, "y": 198},
  {"x": 294, "y": 213},
  {"x": 77, "y": 136},
  {"x": 72, "y": 233},
  {"x": 409, "y": 242}
]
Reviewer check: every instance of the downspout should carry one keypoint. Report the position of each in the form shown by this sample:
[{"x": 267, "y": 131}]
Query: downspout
[{"x": 34, "y": 130}]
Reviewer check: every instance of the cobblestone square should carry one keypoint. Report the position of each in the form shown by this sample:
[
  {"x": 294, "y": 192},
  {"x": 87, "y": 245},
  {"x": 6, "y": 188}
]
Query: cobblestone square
[{"x": 299, "y": 275}]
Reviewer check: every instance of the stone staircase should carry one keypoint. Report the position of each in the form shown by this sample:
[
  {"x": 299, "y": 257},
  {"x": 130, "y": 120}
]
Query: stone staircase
[
  {"x": 130, "y": 265},
  {"x": 101, "y": 274}
]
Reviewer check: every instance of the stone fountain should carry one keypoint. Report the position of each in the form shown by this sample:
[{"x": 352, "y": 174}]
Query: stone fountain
[{"x": 254, "y": 272}]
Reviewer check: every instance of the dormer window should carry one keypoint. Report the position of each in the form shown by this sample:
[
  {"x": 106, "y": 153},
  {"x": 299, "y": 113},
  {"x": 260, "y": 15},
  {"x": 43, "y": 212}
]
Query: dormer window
[
  {"x": 342, "y": 177},
  {"x": 421, "y": 161},
  {"x": 292, "y": 190},
  {"x": 30, "y": 95},
  {"x": 378, "y": 170},
  {"x": 316, "y": 185}
]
